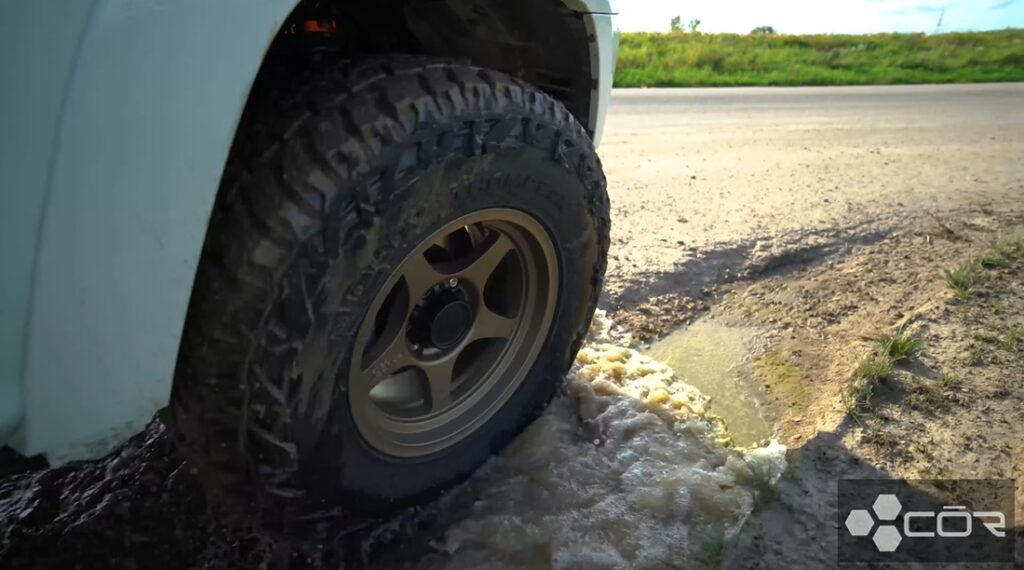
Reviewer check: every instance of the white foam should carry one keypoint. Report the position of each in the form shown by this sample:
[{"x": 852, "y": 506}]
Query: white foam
[{"x": 630, "y": 471}]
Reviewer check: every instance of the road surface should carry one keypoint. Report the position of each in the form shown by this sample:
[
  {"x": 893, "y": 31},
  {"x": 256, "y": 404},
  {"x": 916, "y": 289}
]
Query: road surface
[{"x": 721, "y": 173}]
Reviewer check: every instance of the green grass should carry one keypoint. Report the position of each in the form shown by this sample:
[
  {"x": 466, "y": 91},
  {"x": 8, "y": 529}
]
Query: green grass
[
  {"x": 715, "y": 548},
  {"x": 869, "y": 373},
  {"x": 899, "y": 346},
  {"x": 762, "y": 481},
  {"x": 872, "y": 369},
  {"x": 963, "y": 278},
  {"x": 950, "y": 382},
  {"x": 875, "y": 368},
  {"x": 1003, "y": 254},
  {"x": 684, "y": 59},
  {"x": 858, "y": 400},
  {"x": 1014, "y": 334},
  {"x": 994, "y": 259}
]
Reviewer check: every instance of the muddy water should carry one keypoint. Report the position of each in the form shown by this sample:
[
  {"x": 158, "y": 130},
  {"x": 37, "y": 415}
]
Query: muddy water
[
  {"x": 713, "y": 359},
  {"x": 625, "y": 471}
]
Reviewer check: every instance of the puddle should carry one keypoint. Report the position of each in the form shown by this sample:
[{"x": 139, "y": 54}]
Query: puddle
[
  {"x": 625, "y": 471},
  {"x": 713, "y": 359}
]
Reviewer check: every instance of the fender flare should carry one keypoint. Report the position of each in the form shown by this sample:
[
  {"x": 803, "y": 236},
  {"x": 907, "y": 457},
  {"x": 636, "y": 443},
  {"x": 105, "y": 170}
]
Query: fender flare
[{"x": 148, "y": 117}]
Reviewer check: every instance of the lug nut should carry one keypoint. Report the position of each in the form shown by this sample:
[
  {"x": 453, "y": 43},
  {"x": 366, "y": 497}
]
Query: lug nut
[{"x": 453, "y": 282}]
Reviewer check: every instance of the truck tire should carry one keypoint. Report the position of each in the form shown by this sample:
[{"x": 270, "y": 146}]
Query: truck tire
[{"x": 403, "y": 260}]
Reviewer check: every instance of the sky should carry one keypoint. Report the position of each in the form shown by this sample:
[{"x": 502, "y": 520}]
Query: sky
[{"x": 823, "y": 16}]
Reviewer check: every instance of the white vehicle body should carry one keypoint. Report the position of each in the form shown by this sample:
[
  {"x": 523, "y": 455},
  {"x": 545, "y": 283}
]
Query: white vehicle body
[{"x": 117, "y": 117}]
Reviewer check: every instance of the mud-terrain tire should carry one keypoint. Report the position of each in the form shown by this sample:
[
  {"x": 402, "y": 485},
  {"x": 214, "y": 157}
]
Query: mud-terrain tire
[{"x": 330, "y": 182}]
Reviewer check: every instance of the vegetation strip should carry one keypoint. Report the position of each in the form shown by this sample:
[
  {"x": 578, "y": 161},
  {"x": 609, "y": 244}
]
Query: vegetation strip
[{"x": 681, "y": 59}]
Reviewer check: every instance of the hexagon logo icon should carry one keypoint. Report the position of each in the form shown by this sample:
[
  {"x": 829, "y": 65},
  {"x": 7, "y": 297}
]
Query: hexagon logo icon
[
  {"x": 859, "y": 522},
  {"x": 886, "y": 507},
  {"x": 887, "y": 538}
]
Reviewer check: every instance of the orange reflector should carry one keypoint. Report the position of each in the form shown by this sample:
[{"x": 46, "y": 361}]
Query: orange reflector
[{"x": 320, "y": 26}]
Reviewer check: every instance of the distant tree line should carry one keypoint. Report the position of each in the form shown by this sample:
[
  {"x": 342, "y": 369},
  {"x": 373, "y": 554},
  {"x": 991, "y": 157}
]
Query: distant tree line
[{"x": 676, "y": 25}]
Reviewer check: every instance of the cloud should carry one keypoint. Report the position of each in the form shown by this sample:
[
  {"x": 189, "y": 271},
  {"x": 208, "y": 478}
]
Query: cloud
[{"x": 1003, "y": 4}]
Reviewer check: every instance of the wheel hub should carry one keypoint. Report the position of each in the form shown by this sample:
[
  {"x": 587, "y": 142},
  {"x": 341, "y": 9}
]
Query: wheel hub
[
  {"x": 451, "y": 325},
  {"x": 441, "y": 319}
]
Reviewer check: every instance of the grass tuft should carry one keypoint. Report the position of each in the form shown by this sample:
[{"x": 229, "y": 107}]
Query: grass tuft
[
  {"x": 950, "y": 382},
  {"x": 963, "y": 279},
  {"x": 1014, "y": 250},
  {"x": 872, "y": 370},
  {"x": 899, "y": 346},
  {"x": 875, "y": 368},
  {"x": 858, "y": 401},
  {"x": 995, "y": 259},
  {"x": 762, "y": 481},
  {"x": 715, "y": 548},
  {"x": 1014, "y": 334},
  {"x": 1003, "y": 254}
]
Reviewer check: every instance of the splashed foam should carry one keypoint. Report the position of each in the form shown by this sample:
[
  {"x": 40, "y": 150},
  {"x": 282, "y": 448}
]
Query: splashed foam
[{"x": 631, "y": 471}]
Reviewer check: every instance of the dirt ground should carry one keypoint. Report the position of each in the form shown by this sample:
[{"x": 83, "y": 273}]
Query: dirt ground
[
  {"x": 822, "y": 217},
  {"x": 953, "y": 410}
]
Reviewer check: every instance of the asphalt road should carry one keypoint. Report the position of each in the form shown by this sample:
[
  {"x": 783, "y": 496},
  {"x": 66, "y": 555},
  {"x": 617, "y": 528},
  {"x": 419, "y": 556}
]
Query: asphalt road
[{"x": 703, "y": 172}]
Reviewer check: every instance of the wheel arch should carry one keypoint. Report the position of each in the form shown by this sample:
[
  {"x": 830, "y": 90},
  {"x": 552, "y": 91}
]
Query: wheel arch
[
  {"x": 562, "y": 47},
  {"x": 545, "y": 43}
]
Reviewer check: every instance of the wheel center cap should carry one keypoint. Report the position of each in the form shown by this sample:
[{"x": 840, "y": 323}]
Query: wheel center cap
[{"x": 451, "y": 324}]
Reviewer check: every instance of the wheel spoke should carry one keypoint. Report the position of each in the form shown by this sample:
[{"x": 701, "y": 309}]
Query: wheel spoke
[
  {"x": 490, "y": 255},
  {"x": 395, "y": 355},
  {"x": 419, "y": 276},
  {"x": 439, "y": 378},
  {"x": 489, "y": 324}
]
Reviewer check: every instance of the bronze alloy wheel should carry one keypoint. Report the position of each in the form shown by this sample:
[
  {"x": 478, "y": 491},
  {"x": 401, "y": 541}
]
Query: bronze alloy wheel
[{"x": 453, "y": 332}]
